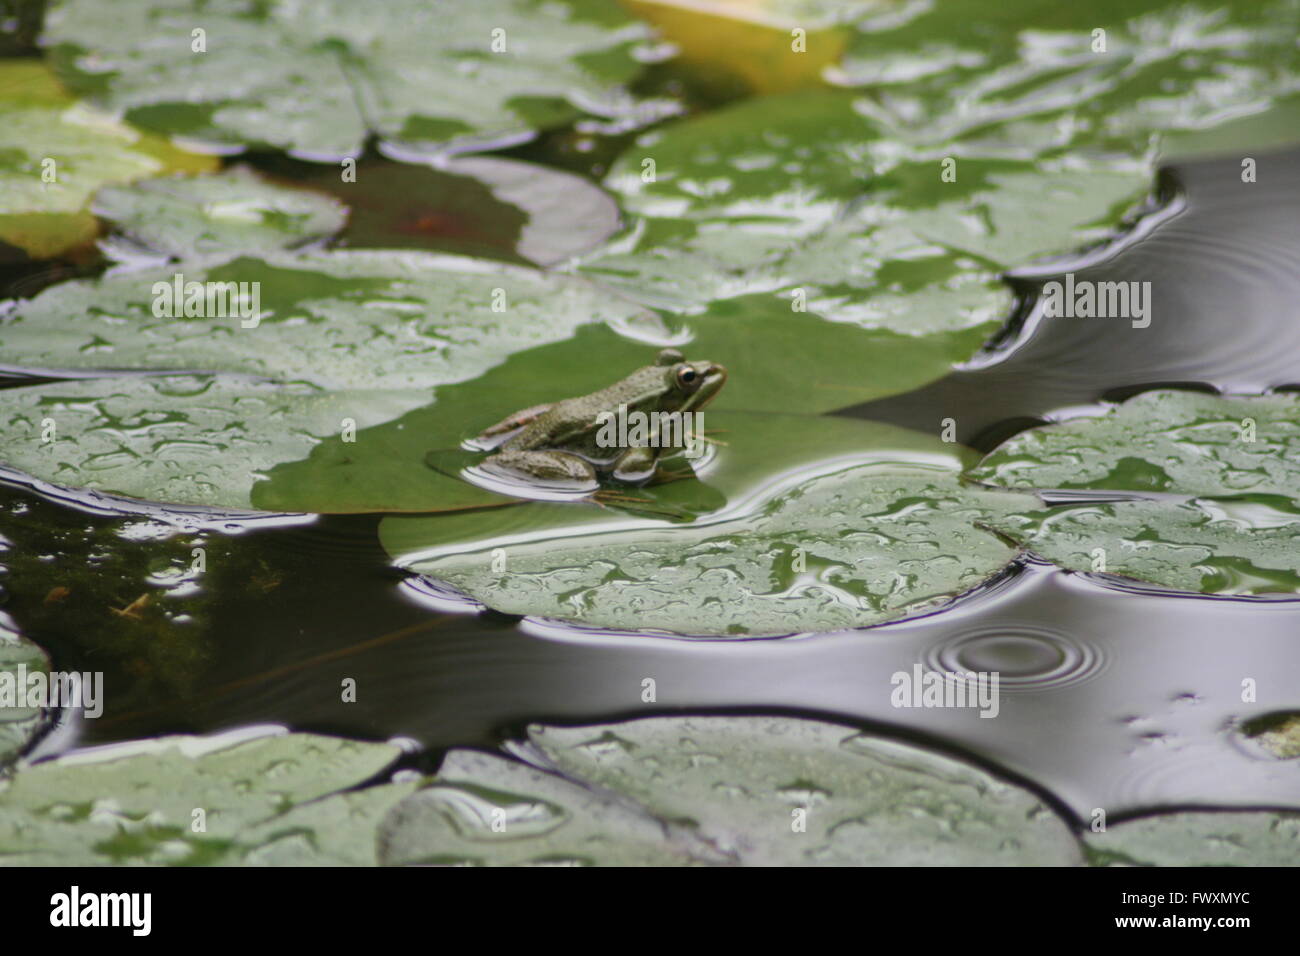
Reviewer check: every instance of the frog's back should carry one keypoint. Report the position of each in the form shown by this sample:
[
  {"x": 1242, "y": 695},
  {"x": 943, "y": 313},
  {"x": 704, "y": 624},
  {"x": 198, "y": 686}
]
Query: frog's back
[{"x": 574, "y": 422}]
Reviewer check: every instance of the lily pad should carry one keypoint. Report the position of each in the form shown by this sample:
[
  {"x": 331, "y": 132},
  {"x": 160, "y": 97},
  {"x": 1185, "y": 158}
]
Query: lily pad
[
  {"x": 1036, "y": 76},
  {"x": 968, "y": 165},
  {"x": 468, "y": 205},
  {"x": 772, "y": 372},
  {"x": 923, "y": 257},
  {"x": 1169, "y": 441},
  {"x": 1225, "y": 518},
  {"x": 230, "y": 212},
  {"x": 1239, "y": 546},
  {"x": 318, "y": 79},
  {"x": 753, "y": 212},
  {"x": 847, "y": 549},
  {"x": 1005, "y": 212},
  {"x": 717, "y": 195},
  {"x": 753, "y": 791},
  {"x": 754, "y": 453},
  {"x": 18, "y": 656},
  {"x": 344, "y": 340},
  {"x": 202, "y": 440},
  {"x": 566, "y": 215},
  {"x": 486, "y": 810},
  {"x": 338, "y": 830},
  {"x": 780, "y": 202},
  {"x": 866, "y": 800},
  {"x": 54, "y": 154},
  {"x": 1202, "y": 838},
  {"x": 138, "y": 803},
  {"x": 343, "y": 319}
]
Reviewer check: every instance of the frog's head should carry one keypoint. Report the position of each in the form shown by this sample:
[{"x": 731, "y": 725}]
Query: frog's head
[{"x": 689, "y": 386}]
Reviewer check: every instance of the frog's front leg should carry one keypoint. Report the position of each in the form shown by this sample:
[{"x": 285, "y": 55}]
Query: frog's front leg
[
  {"x": 544, "y": 465},
  {"x": 636, "y": 464}
]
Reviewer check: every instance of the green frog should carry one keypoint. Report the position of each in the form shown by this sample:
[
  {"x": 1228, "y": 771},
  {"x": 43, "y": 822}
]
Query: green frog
[{"x": 570, "y": 441}]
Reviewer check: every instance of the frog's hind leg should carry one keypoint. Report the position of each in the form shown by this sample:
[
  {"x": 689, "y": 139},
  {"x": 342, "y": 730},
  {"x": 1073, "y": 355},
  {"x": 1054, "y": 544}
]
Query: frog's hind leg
[
  {"x": 544, "y": 466},
  {"x": 517, "y": 420},
  {"x": 636, "y": 464}
]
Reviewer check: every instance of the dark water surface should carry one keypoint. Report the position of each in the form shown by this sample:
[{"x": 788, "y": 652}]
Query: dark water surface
[{"x": 1114, "y": 696}]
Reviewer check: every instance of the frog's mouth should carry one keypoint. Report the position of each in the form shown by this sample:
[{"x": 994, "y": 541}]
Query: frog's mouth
[{"x": 714, "y": 378}]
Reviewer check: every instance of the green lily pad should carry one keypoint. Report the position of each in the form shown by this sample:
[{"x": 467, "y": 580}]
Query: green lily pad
[
  {"x": 1005, "y": 212},
  {"x": 347, "y": 340},
  {"x": 867, "y": 800},
  {"x": 882, "y": 278},
  {"x": 54, "y": 154},
  {"x": 751, "y": 216},
  {"x": 1035, "y": 76},
  {"x": 753, "y": 791},
  {"x": 777, "y": 205},
  {"x": 137, "y": 803},
  {"x": 354, "y": 319},
  {"x": 1238, "y": 546},
  {"x": 717, "y": 195},
  {"x": 1273, "y": 129},
  {"x": 1202, "y": 838},
  {"x": 186, "y": 439},
  {"x": 318, "y": 79},
  {"x": 338, "y": 830},
  {"x": 753, "y": 198},
  {"x": 485, "y": 810},
  {"x": 760, "y": 197},
  {"x": 1171, "y": 441},
  {"x": 17, "y": 723},
  {"x": 1236, "y": 454},
  {"x": 230, "y": 212},
  {"x": 772, "y": 371},
  {"x": 923, "y": 257},
  {"x": 851, "y": 548},
  {"x": 754, "y": 452}
]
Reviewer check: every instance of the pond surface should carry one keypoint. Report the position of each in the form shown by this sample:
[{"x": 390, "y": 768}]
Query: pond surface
[
  {"x": 1114, "y": 695},
  {"x": 242, "y": 499}
]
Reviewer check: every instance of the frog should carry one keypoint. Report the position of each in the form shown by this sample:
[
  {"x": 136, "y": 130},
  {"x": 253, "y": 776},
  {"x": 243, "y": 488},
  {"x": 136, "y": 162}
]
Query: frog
[{"x": 568, "y": 441}]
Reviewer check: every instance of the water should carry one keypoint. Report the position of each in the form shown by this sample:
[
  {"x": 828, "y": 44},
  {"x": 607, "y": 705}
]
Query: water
[{"x": 1115, "y": 696}]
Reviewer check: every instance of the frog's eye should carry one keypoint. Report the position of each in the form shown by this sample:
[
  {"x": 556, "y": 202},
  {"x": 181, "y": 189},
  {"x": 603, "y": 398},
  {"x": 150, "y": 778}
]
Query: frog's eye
[{"x": 687, "y": 378}]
